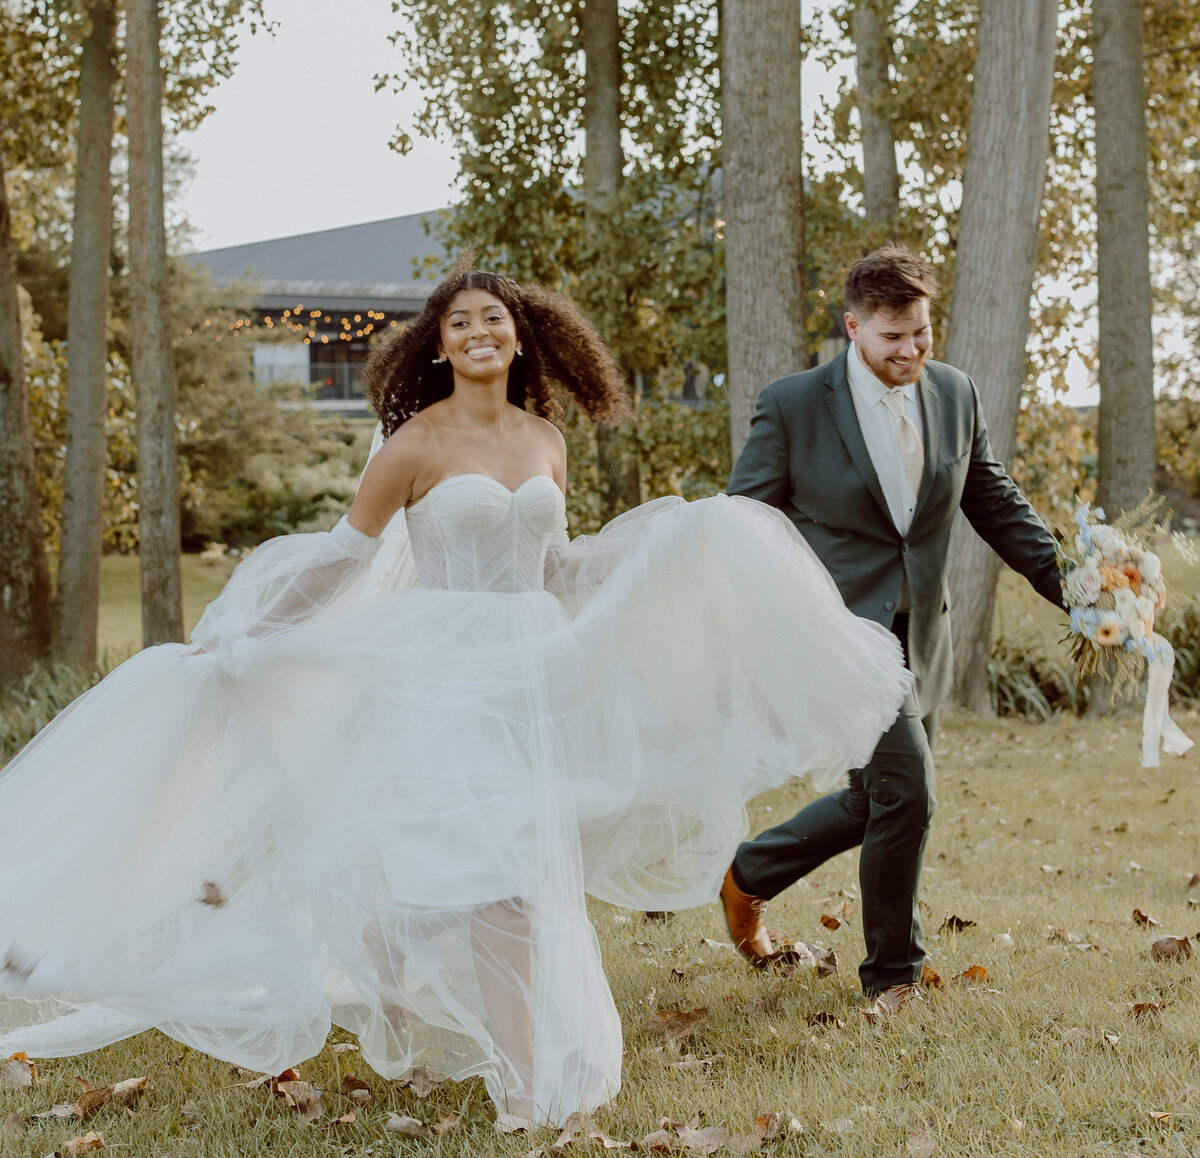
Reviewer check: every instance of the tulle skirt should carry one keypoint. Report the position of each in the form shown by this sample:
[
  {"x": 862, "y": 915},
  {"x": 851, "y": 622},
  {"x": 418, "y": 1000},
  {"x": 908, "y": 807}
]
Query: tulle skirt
[{"x": 388, "y": 817}]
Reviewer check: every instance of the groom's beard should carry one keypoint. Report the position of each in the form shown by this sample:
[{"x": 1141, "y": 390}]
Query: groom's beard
[{"x": 888, "y": 372}]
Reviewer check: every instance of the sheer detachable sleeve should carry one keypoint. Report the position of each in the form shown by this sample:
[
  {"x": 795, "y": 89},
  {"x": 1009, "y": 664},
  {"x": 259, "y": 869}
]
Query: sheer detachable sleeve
[{"x": 286, "y": 581}]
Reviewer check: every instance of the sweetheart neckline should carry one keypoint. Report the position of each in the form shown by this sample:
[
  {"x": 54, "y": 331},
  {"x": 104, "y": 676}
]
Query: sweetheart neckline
[{"x": 485, "y": 477}]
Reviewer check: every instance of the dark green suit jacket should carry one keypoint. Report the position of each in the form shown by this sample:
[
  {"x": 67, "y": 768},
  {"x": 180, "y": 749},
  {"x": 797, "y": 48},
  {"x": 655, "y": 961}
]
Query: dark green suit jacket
[{"x": 806, "y": 455}]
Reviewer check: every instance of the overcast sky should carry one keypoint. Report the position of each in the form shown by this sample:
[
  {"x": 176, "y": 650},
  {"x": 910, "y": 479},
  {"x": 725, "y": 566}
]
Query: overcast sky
[{"x": 299, "y": 138}]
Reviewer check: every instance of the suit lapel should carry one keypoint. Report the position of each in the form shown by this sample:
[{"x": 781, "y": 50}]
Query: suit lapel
[
  {"x": 931, "y": 422},
  {"x": 841, "y": 409}
]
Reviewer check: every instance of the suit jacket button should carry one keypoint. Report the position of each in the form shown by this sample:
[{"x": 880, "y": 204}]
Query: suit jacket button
[{"x": 889, "y": 605}]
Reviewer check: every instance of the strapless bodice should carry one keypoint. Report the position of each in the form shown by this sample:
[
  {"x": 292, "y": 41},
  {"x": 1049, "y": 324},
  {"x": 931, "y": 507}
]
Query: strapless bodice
[{"x": 471, "y": 533}]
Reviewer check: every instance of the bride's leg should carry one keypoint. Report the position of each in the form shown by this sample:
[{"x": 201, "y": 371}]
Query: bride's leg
[
  {"x": 388, "y": 968},
  {"x": 500, "y": 944}
]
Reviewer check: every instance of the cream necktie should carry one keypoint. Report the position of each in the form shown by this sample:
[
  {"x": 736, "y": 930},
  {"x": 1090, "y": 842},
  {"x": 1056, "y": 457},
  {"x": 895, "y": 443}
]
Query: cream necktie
[{"x": 908, "y": 440}]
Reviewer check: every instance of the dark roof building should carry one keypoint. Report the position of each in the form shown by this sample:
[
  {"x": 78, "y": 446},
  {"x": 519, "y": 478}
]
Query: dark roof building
[{"x": 319, "y": 297}]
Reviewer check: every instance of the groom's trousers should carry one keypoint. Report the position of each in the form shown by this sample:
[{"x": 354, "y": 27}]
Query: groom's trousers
[{"x": 886, "y": 808}]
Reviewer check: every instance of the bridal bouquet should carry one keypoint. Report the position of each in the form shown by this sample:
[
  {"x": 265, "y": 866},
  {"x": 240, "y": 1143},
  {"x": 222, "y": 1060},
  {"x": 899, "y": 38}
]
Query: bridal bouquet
[{"x": 1114, "y": 586}]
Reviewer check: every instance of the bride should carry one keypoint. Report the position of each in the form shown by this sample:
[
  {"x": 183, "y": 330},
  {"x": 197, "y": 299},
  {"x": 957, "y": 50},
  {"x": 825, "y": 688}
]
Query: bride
[{"x": 380, "y": 805}]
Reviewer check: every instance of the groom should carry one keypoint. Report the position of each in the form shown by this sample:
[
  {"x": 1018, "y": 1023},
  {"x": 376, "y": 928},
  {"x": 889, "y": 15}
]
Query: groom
[{"x": 871, "y": 455}]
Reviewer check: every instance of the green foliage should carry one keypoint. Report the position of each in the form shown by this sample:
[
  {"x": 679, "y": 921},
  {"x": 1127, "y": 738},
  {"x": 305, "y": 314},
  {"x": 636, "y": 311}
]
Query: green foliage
[
  {"x": 1177, "y": 427},
  {"x": 32, "y": 702},
  {"x": 1055, "y": 460}
]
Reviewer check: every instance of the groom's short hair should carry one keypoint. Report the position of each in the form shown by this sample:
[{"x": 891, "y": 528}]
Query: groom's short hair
[{"x": 890, "y": 278}]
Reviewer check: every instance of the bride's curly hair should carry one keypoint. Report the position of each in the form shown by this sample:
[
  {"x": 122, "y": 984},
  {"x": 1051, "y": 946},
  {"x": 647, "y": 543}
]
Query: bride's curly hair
[{"x": 560, "y": 351}]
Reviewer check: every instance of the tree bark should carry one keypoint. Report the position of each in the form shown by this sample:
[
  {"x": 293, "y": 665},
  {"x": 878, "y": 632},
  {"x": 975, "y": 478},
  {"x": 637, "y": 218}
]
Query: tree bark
[
  {"x": 997, "y": 253},
  {"x": 1125, "y": 437},
  {"x": 153, "y": 359},
  {"x": 763, "y": 201},
  {"x": 603, "y": 164},
  {"x": 77, "y": 604},
  {"x": 873, "y": 55},
  {"x": 24, "y": 577}
]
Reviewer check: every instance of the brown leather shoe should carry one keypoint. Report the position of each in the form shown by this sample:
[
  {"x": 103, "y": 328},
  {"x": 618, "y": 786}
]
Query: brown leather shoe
[{"x": 743, "y": 917}]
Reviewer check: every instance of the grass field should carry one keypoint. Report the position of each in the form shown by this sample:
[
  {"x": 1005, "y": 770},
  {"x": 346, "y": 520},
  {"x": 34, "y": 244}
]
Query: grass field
[
  {"x": 1048, "y": 838},
  {"x": 1075, "y": 1042}
]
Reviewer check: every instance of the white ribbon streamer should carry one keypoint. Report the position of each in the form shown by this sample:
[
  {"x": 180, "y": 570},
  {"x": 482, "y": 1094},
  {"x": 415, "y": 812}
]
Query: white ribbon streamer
[{"x": 1158, "y": 729}]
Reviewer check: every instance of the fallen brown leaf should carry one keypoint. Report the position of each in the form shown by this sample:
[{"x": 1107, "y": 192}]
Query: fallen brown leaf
[
  {"x": 581, "y": 1127},
  {"x": 1144, "y": 919},
  {"x": 422, "y": 1081},
  {"x": 210, "y": 894},
  {"x": 90, "y": 1101},
  {"x": 347, "y": 1119},
  {"x": 1142, "y": 1008},
  {"x": 762, "y": 1005},
  {"x": 58, "y": 1110},
  {"x": 13, "y": 1125},
  {"x": 825, "y": 1018},
  {"x": 1055, "y": 934},
  {"x": 827, "y": 962},
  {"x": 130, "y": 1091},
  {"x": 671, "y": 1026},
  {"x": 414, "y": 1128},
  {"x": 642, "y": 948},
  {"x": 660, "y": 1142},
  {"x": 300, "y": 1098},
  {"x": 81, "y": 1145},
  {"x": 448, "y": 1122},
  {"x": 692, "y": 1062},
  {"x": 975, "y": 973},
  {"x": 705, "y": 1140},
  {"x": 929, "y": 976},
  {"x": 1168, "y": 948},
  {"x": 17, "y": 1073},
  {"x": 1193, "y": 880},
  {"x": 831, "y": 923},
  {"x": 357, "y": 1090},
  {"x": 920, "y": 1143},
  {"x": 955, "y": 924},
  {"x": 1163, "y": 1116}
]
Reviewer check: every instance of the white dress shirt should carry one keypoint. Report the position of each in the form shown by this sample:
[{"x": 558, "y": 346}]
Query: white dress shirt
[{"x": 879, "y": 432}]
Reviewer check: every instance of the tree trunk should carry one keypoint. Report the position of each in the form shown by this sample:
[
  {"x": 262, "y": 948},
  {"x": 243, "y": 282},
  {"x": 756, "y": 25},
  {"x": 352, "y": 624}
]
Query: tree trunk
[
  {"x": 153, "y": 359},
  {"x": 873, "y": 55},
  {"x": 77, "y": 605},
  {"x": 765, "y": 273},
  {"x": 24, "y": 578},
  {"x": 997, "y": 254},
  {"x": 604, "y": 161},
  {"x": 1125, "y": 438}
]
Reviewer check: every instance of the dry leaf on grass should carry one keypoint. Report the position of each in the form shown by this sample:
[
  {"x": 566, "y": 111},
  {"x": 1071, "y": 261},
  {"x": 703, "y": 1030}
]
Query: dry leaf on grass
[
  {"x": 1004, "y": 940},
  {"x": 1163, "y": 1116},
  {"x": 1169, "y": 948},
  {"x": 920, "y": 1143},
  {"x": 13, "y": 1125},
  {"x": 671, "y": 1026},
  {"x": 580, "y": 1127},
  {"x": 81, "y": 1145},
  {"x": 660, "y": 1142},
  {"x": 344, "y": 1047},
  {"x": 825, "y": 1018},
  {"x": 643, "y": 949},
  {"x": 347, "y": 1119},
  {"x": 762, "y": 1005},
  {"x": 1144, "y": 919},
  {"x": 1193, "y": 880},
  {"x": 357, "y": 1090},
  {"x": 301, "y": 1099},
  {"x": 130, "y": 1091},
  {"x": 193, "y": 1113},
  {"x": 422, "y": 1081},
  {"x": 955, "y": 924},
  {"x": 831, "y": 923},
  {"x": 508, "y": 1124},
  {"x": 1146, "y": 1008},
  {"x": 973, "y": 973},
  {"x": 1056, "y": 934},
  {"x": 929, "y": 976},
  {"x": 17, "y": 1073},
  {"x": 408, "y": 1127}
]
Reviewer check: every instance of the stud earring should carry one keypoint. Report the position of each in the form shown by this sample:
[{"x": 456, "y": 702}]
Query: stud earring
[
  {"x": 519, "y": 350},
  {"x": 439, "y": 359}
]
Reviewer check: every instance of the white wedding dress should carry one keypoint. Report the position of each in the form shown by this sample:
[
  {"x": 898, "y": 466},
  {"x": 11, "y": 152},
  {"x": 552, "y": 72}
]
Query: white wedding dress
[{"x": 381, "y": 807}]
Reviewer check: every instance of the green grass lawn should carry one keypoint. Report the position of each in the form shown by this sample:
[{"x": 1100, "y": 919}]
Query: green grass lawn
[
  {"x": 121, "y": 609},
  {"x": 1077, "y": 1043}
]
